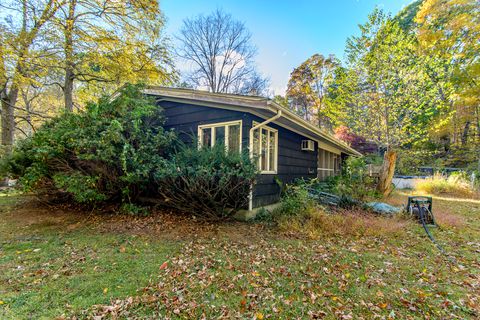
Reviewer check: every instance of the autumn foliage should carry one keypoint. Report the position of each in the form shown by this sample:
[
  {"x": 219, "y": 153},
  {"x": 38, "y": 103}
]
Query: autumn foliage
[{"x": 356, "y": 141}]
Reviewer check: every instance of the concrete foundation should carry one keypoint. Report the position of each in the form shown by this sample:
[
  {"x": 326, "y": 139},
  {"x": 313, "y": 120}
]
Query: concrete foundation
[{"x": 245, "y": 215}]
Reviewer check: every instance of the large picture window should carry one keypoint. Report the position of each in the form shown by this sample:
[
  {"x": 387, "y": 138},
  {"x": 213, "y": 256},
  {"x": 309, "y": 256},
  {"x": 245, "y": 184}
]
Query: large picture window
[
  {"x": 265, "y": 149},
  {"x": 228, "y": 134}
]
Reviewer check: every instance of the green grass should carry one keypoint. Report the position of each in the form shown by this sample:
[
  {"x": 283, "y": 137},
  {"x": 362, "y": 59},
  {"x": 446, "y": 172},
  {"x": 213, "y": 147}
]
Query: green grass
[
  {"x": 236, "y": 270},
  {"x": 47, "y": 271}
]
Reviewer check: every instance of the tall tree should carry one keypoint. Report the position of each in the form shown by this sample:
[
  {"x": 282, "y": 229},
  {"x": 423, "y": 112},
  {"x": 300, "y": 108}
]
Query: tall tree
[
  {"x": 448, "y": 30},
  {"x": 220, "y": 52},
  {"x": 392, "y": 91},
  {"x": 19, "y": 35},
  {"x": 99, "y": 39},
  {"x": 308, "y": 86}
]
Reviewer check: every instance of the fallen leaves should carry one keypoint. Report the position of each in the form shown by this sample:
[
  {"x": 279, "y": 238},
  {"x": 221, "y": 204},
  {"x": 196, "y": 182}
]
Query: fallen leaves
[{"x": 215, "y": 275}]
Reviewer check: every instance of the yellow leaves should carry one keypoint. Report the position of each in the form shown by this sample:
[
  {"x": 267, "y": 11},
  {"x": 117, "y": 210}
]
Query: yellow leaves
[
  {"x": 105, "y": 290},
  {"x": 2, "y": 302},
  {"x": 259, "y": 315}
]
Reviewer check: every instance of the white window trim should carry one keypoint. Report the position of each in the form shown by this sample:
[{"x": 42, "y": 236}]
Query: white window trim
[
  {"x": 328, "y": 166},
  {"x": 275, "y": 151},
  {"x": 217, "y": 125}
]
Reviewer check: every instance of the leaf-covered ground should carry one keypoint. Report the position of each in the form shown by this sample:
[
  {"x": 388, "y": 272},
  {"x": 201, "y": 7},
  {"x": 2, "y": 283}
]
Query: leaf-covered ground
[{"x": 58, "y": 262}]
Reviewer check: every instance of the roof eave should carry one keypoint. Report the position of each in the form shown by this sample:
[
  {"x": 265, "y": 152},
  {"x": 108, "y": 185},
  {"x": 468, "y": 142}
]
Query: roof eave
[
  {"x": 295, "y": 118},
  {"x": 248, "y": 102}
]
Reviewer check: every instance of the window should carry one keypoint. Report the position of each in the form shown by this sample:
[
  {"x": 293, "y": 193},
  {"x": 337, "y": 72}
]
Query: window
[
  {"x": 265, "y": 148},
  {"x": 328, "y": 164},
  {"x": 228, "y": 134}
]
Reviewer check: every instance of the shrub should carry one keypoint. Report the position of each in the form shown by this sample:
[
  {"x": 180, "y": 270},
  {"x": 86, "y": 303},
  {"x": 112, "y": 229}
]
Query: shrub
[
  {"x": 109, "y": 152},
  {"x": 300, "y": 215},
  {"x": 354, "y": 181},
  {"x": 207, "y": 182},
  {"x": 295, "y": 199},
  {"x": 456, "y": 184}
]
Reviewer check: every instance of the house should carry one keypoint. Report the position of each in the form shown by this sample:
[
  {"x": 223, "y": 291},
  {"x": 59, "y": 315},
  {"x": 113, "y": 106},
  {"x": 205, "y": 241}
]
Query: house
[{"x": 285, "y": 146}]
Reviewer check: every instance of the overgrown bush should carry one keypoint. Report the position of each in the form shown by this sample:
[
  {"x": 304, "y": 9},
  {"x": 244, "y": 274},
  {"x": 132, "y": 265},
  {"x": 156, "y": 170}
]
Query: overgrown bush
[
  {"x": 295, "y": 199},
  {"x": 300, "y": 214},
  {"x": 109, "y": 152},
  {"x": 354, "y": 181},
  {"x": 117, "y": 151},
  {"x": 206, "y": 182},
  {"x": 457, "y": 184}
]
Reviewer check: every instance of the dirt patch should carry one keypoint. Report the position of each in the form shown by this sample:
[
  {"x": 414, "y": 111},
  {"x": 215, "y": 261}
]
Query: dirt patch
[{"x": 161, "y": 223}]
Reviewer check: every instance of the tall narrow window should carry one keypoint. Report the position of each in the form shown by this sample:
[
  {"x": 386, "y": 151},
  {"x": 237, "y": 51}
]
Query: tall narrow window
[
  {"x": 228, "y": 134},
  {"x": 271, "y": 149},
  {"x": 220, "y": 135},
  {"x": 265, "y": 149},
  {"x": 234, "y": 138},
  {"x": 206, "y": 137}
]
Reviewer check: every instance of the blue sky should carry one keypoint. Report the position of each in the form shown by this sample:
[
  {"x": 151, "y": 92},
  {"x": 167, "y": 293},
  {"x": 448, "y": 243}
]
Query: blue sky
[{"x": 285, "y": 32}]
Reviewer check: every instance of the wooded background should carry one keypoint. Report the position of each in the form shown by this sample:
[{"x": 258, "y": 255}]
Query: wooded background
[{"x": 409, "y": 83}]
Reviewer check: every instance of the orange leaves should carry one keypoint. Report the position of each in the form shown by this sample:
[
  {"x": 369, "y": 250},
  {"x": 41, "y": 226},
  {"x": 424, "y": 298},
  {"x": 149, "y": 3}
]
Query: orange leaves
[{"x": 164, "y": 265}]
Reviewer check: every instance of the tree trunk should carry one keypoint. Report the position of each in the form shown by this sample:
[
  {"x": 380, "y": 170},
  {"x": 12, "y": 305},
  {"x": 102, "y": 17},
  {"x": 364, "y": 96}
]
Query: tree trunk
[
  {"x": 466, "y": 131},
  {"x": 8, "y": 118},
  {"x": 69, "y": 67},
  {"x": 8, "y": 124},
  {"x": 386, "y": 174},
  {"x": 68, "y": 89},
  {"x": 454, "y": 138},
  {"x": 477, "y": 111}
]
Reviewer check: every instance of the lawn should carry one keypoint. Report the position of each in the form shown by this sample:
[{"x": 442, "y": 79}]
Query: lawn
[{"x": 60, "y": 262}]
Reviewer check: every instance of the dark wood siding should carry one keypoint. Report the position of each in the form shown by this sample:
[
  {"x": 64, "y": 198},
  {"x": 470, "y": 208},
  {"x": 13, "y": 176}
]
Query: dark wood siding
[
  {"x": 185, "y": 119},
  {"x": 293, "y": 163}
]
